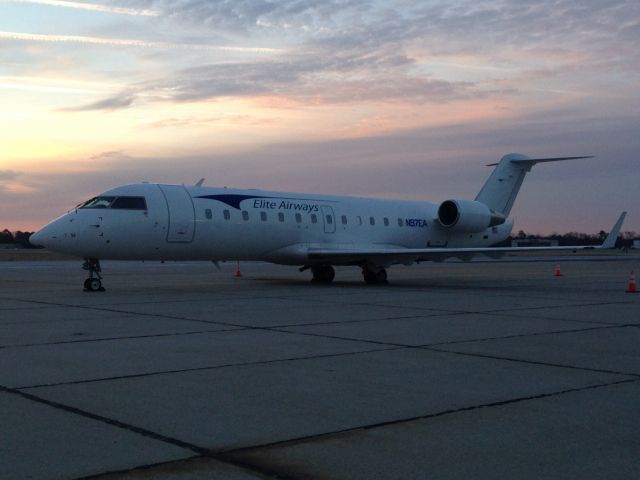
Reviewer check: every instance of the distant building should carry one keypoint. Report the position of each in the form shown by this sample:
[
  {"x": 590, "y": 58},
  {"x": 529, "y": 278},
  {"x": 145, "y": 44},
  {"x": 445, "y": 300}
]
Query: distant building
[{"x": 533, "y": 242}]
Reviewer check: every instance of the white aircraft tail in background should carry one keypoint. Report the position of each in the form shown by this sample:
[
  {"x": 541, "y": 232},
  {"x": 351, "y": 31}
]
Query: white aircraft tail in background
[{"x": 175, "y": 222}]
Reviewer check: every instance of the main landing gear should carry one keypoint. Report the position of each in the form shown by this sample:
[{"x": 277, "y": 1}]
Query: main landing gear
[
  {"x": 323, "y": 273},
  {"x": 94, "y": 282},
  {"x": 374, "y": 276}
]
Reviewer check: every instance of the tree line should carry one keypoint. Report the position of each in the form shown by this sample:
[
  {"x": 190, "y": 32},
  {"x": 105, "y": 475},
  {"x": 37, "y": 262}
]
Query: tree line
[
  {"x": 625, "y": 239},
  {"x": 17, "y": 238}
]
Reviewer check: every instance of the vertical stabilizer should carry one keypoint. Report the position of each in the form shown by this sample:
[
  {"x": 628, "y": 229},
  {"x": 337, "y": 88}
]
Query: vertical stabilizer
[{"x": 501, "y": 189}]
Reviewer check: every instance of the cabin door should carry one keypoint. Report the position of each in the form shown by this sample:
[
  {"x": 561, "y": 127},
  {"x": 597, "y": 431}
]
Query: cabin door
[
  {"x": 329, "y": 220},
  {"x": 182, "y": 214}
]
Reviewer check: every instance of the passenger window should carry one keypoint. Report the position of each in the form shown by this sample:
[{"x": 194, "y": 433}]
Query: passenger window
[
  {"x": 263, "y": 216},
  {"x": 386, "y": 222},
  {"x": 208, "y": 213},
  {"x": 298, "y": 218},
  {"x": 344, "y": 219},
  {"x": 314, "y": 218},
  {"x": 400, "y": 224},
  {"x": 245, "y": 215},
  {"x": 359, "y": 220},
  {"x": 281, "y": 216},
  {"x": 372, "y": 221},
  {"x": 226, "y": 214},
  {"x": 329, "y": 219}
]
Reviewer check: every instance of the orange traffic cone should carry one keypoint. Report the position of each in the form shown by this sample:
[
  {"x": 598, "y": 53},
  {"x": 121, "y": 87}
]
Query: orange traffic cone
[
  {"x": 557, "y": 272},
  {"x": 632, "y": 283},
  {"x": 238, "y": 274}
]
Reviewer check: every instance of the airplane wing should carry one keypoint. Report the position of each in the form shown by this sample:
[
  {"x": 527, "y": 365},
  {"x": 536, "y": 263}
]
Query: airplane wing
[{"x": 387, "y": 255}]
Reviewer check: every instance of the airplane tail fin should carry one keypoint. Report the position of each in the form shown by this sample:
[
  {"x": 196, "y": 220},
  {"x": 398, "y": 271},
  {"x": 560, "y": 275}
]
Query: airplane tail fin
[{"x": 501, "y": 188}]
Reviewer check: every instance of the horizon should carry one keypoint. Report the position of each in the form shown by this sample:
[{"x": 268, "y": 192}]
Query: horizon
[{"x": 399, "y": 99}]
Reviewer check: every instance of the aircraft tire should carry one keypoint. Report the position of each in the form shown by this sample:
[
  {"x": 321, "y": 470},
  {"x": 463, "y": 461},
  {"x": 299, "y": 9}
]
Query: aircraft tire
[
  {"x": 323, "y": 273},
  {"x": 94, "y": 284},
  {"x": 374, "y": 277}
]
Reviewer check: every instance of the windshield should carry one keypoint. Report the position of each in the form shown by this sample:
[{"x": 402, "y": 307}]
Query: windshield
[
  {"x": 98, "y": 202},
  {"x": 120, "y": 203}
]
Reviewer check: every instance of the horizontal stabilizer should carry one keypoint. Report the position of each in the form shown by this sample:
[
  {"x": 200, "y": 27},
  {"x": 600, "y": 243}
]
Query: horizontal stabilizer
[{"x": 533, "y": 161}]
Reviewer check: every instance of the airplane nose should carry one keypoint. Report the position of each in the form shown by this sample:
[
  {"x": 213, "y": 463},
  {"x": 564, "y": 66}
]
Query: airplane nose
[
  {"x": 36, "y": 239},
  {"x": 48, "y": 236}
]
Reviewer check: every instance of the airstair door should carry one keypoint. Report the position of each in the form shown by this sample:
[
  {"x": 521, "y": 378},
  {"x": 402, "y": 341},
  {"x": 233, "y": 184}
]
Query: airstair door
[
  {"x": 182, "y": 214},
  {"x": 329, "y": 219}
]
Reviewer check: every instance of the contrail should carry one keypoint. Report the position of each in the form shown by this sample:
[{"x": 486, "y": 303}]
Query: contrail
[
  {"x": 36, "y": 37},
  {"x": 91, "y": 6}
]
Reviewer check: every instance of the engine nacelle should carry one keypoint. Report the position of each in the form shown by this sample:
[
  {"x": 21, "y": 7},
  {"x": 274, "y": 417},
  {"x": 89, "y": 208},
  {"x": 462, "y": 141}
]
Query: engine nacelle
[{"x": 468, "y": 216}]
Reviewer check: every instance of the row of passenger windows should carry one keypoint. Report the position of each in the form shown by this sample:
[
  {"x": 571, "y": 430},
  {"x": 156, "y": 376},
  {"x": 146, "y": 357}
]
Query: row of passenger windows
[{"x": 208, "y": 213}]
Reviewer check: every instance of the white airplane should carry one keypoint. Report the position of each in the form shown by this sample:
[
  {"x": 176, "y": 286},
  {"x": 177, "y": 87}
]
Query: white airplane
[{"x": 149, "y": 221}]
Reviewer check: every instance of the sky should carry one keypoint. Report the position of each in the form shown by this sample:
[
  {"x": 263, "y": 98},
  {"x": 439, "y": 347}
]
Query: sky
[{"x": 394, "y": 99}]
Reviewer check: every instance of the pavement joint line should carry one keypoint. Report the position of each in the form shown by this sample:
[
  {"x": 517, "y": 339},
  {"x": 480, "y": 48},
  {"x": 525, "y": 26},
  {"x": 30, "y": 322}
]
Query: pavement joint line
[
  {"x": 142, "y": 314},
  {"x": 100, "y": 418},
  {"x": 111, "y": 339},
  {"x": 365, "y": 320},
  {"x": 518, "y": 309},
  {"x": 205, "y": 368},
  {"x": 524, "y": 335},
  {"x": 139, "y": 468},
  {"x": 532, "y": 362},
  {"x": 446, "y": 314},
  {"x": 319, "y": 437},
  {"x": 502, "y": 310},
  {"x": 135, "y": 429},
  {"x": 442, "y": 350},
  {"x": 543, "y": 317}
]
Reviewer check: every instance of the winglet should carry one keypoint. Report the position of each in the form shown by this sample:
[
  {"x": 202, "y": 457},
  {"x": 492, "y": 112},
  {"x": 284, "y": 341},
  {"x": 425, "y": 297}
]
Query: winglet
[
  {"x": 200, "y": 182},
  {"x": 610, "y": 241}
]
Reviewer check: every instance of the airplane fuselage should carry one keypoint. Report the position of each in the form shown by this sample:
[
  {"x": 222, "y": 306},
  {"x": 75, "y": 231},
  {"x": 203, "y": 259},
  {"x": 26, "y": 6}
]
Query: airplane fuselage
[{"x": 176, "y": 222}]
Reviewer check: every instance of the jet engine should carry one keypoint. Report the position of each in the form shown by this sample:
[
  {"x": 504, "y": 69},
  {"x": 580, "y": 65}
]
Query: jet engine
[{"x": 468, "y": 216}]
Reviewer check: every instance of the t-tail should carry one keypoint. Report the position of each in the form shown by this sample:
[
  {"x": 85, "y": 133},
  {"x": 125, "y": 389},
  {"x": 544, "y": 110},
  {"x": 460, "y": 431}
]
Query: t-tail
[{"x": 501, "y": 189}]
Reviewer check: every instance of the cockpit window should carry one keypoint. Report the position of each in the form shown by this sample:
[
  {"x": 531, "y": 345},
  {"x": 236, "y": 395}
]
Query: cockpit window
[
  {"x": 98, "y": 202},
  {"x": 130, "y": 203},
  {"x": 122, "y": 203}
]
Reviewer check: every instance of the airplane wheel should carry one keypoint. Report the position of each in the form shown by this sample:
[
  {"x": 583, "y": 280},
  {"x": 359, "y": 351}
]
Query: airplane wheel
[
  {"x": 93, "y": 285},
  {"x": 369, "y": 277},
  {"x": 323, "y": 273},
  {"x": 374, "y": 278},
  {"x": 381, "y": 276},
  {"x": 329, "y": 274}
]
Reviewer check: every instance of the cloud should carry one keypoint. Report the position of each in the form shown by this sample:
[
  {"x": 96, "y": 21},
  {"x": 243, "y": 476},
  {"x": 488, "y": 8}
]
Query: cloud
[
  {"x": 234, "y": 15},
  {"x": 315, "y": 78},
  {"x": 8, "y": 175},
  {"x": 117, "y": 102},
  {"x": 92, "y": 7}
]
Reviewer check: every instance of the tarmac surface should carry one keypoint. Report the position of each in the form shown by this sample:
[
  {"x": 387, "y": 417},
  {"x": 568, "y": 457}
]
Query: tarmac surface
[{"x": 182, "y": 371}]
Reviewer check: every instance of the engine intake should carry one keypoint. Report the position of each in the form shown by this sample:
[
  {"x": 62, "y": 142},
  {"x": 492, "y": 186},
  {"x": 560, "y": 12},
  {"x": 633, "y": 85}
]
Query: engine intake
[{"x": 468, "y": 216}]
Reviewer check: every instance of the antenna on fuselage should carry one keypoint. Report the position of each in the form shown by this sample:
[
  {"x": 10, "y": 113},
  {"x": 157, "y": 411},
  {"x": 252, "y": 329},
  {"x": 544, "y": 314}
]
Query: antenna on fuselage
[{"x": 200, "y": 182}]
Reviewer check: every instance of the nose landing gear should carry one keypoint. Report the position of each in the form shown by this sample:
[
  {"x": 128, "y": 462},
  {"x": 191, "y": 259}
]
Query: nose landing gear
[{"x": 94, "y": 282}]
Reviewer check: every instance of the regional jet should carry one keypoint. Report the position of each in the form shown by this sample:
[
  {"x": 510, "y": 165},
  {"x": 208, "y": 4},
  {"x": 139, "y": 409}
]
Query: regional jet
[{"x": 148, "y": 221}]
